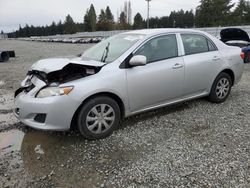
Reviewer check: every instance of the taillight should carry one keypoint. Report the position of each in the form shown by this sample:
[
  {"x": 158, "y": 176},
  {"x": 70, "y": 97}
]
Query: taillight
[{"x": 242, "y": 55}]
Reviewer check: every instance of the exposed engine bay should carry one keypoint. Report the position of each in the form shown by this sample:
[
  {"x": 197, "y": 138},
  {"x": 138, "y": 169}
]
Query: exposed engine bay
[{"x": 68, "y": 73}]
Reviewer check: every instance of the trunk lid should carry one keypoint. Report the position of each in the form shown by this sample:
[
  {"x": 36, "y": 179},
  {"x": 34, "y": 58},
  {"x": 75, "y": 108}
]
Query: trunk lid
[{"x": 234, "y": 34}]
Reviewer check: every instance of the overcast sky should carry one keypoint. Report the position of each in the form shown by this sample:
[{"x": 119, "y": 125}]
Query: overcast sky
[{"x": 42, "y": 12}]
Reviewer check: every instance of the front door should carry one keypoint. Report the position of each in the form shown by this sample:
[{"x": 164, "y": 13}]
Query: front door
[{"x": 161, "y": 79}]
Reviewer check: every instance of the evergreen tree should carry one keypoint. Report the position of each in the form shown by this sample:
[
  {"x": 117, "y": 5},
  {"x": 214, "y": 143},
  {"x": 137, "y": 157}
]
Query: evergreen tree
[
  {"x": 20, "y": 32},
  {"x": 80, "y": 27},
  {"x": 105, "y": 20},
  {"x": 86, "y": 21},
  {"x": 155, "y": 22},
  {"x": 26, "y": 31},
  {"x": 59, "y": 28},
  {"x": 102, "y": 21},
  {"x": 188, "y": 19},
  {"x": 204, "y": 15},
  {"x": 90, "y": 19},
  {"x": 222, "y": 12},
  {"x": 70, "y": 27},
  {"x": 178, "y": 19},
  {"x": 45, "y": 30},
  {"x": 123, "y": 22},
  {"x": 53, "y": 28},
  {"x": 247, "y": 15},
  {"x": 214, "y": 13},
  {"x": 164, "y": 22},
  {"x": 92, "y": 15},
  {"x": 239, "y": 15},
  {"x": 138, "y": 22},
  {"x": 109, "y": 18}
]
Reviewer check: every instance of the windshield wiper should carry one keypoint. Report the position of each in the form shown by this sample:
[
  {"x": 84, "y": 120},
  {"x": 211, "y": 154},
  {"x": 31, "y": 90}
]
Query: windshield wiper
[{"x": 105, "y": 53}]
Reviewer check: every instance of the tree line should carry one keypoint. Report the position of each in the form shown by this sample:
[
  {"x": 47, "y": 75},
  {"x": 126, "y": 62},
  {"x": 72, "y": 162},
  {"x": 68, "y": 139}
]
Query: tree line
[
  {"x": 213, "y": 13},
  {"x": 209, "y": 13}
]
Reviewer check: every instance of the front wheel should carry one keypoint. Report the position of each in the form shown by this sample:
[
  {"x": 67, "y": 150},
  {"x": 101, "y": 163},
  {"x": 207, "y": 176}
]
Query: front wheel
[
  {"x": 221, "y": 88},
  {"x": 98, "y": 117}
]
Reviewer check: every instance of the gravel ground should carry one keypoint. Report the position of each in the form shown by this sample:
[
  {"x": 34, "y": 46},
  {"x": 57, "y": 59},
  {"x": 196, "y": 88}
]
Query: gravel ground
[{"x": 193, "y": 144}]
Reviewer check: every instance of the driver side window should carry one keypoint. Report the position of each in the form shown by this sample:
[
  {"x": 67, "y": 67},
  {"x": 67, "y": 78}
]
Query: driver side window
[{"x": 159, "y": 48}]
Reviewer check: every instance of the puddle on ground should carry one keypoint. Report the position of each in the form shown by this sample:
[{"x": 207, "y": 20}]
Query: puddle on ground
[
  {"x": 67, "y": 160},
  {"x": 10, "y": 141}
]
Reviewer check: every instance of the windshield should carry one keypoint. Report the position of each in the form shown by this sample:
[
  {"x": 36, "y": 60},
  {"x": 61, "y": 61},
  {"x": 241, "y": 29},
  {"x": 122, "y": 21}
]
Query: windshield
[{"x": 111, "y": 48}]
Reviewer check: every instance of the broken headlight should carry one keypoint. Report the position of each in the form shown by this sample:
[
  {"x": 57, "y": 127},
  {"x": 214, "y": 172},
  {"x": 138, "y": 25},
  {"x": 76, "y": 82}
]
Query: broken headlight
[{"x": 54, "y": 91}]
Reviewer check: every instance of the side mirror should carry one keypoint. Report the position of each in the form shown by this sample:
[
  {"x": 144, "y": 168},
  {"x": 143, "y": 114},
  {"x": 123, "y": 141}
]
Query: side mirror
[{"x": 138, "y": 60}]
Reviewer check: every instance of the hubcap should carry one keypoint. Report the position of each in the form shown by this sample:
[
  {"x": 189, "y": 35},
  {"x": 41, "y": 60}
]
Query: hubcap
[
  {"x": 222, "y": 88},
  {"x": 100, "y": 118}
]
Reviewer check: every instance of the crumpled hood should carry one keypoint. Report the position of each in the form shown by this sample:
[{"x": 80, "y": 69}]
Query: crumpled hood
[{"x": 54, "y": 64}]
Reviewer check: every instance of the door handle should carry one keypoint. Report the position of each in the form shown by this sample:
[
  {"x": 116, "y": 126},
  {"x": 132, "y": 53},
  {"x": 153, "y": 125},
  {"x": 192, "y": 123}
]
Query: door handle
[
  {"x": 177, "y": 66},
  {"x": 215, "y": 58}
]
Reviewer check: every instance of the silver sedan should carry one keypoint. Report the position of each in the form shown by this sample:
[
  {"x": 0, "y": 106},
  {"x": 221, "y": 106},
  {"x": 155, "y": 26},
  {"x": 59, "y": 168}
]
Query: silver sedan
[{"x": 124, "y": 75}]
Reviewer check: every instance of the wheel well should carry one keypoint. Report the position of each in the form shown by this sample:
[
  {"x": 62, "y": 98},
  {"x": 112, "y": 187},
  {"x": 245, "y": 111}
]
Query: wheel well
[
  {"x": 108, "y": 94},
  {"x": 230, "y": 73}
]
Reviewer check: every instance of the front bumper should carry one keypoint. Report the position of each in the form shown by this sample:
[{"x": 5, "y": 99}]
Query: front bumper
[
  {"x": 50, "y": 113},
  {"x": 57, "y": 112}
]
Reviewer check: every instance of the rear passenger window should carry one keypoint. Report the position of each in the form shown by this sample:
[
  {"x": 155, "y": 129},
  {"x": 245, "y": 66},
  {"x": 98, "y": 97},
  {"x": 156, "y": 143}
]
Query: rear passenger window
[
  {"x": 194, "y": 44},
  {"x": 211, "y": 46}
]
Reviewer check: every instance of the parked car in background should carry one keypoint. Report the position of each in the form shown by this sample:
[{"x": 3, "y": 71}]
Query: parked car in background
[
  {"x": 237, "y": 37},
  {"x": 124, "y": 75}
]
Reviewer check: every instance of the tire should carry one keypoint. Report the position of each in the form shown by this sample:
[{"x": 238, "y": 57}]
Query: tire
[
  {"x": 221, "y": 88},
  {"x": 4, "y": 56},
  {"x": 93, "y": 123}
]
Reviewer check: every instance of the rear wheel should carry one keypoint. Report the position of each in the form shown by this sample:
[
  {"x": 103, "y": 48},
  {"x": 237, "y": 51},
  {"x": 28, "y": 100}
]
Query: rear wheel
[
  {"x": 98, "y": 117},
  {"x": 221, "y": 88}
]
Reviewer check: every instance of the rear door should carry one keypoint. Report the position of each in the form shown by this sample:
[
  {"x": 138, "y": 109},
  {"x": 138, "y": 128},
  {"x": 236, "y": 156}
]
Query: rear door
[{"x": 202, "y": 60}]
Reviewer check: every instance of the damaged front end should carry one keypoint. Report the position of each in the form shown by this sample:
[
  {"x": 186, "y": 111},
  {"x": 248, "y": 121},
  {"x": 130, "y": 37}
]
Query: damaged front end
[{"x": 68, "y": 72}]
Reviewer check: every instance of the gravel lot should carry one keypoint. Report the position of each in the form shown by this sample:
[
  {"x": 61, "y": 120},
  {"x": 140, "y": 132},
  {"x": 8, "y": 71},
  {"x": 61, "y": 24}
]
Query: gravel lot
[{"x": 193, "y": 144}]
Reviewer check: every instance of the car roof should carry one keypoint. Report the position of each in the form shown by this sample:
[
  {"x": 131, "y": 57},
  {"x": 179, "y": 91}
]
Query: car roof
[
  {"x": 153, "y": 32},
  {"x": 162, "y": 31}
]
